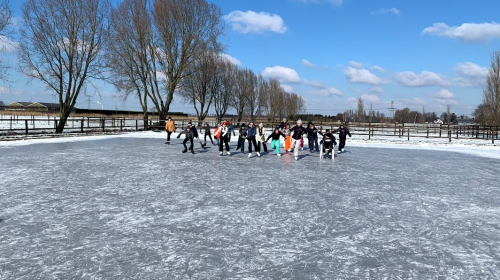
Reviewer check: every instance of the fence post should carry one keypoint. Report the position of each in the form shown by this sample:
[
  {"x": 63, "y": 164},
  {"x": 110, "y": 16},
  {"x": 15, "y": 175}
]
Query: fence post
[
  {"x": 369, "y": 131},
  {"x": 449, "y": 136},
  {"x": 121, "y": 125},
  {"x": 136, "y": 126},
  {"x": 408, "y": 134},
  {"x": 26, "y": 126},
  {"x": 457, "y": 131},
  {"x": 103, "y": 121},
  {"x": 427, "y": 131},
  {"x": 81, "y": 126}
]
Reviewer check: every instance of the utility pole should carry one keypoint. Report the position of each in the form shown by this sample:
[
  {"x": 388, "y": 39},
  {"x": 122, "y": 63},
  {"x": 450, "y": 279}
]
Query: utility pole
[
  {"x": 392, "y": 109},
  {"x": 88, "y": 100}
]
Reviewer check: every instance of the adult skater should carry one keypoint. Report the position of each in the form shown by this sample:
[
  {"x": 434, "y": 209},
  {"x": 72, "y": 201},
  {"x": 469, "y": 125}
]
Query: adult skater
[
  {"x": 343, "y": 132},
  {"x": 260, "y": 137},
  {"x": 230, "y": 130},
  {"x": 224, "y": 139},
  {"x": 297, "y": 132},
  {"x": 241, "y": 139},
  {"x": 208, "y": 133},
  {"x": 169, "y": 127},
  {"x": 312, "y": 136},
  {"x": 217, "y": 134},
  {"x": 328, "y": 142},
  {"x": 189, "y": 137},
  {"x": 195, "y": 134},
  {"x": 251, "y": 132},
  {"x": 275, "y": 143}
]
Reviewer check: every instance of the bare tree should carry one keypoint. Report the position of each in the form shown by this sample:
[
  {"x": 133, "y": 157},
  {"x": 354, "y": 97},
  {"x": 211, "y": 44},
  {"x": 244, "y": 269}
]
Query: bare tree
[
  {"x": 197, "y": 88},
  {"x": 61, "y": 43},
  {"x": 5, "y": 32},
  {"x": 185, "y": 28},
  {"x": 276, "y": 99},
  {"x": 491, "y": 94},
  {"x": 131, "y": 53},
  {"x": 223, "y": 91},
  {"x": 361, "y": 110},
  {"x": 239, "y": 100},
  {"x": 251, "y": 90},
  {"x": 448, "y": 114}
]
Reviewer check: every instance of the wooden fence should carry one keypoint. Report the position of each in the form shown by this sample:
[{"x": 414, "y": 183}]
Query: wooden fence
[{"x": 43, "y": 125}]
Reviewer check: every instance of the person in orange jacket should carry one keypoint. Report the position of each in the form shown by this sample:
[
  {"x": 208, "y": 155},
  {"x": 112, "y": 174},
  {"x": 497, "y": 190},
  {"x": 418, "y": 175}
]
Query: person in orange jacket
[
  {"x": 217, "y": 133},
  {"x": 169, "y": 127}
]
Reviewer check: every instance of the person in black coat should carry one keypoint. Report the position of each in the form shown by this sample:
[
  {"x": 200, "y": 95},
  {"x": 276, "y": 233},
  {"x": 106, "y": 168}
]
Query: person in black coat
[
  {"x": 343, "y": 132},
  {"x": 241, "y": 139},
  {"x": 275, "y": 144},
  {"x": 312, "y": 136},
  {"x": 208, "y": 133},
  {"x": 328, "y": 142},
  {"x": 195, "y": 134},
  {"x": 297, "y": 132},
  {"x": 189, "y": 137}
]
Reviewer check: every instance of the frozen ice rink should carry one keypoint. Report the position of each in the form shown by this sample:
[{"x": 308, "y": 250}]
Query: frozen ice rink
[{"x": 134, "y": 208}]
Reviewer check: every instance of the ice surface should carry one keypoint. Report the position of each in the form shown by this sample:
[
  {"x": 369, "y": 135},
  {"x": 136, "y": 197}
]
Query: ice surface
[{"x": 130, "y": 207}]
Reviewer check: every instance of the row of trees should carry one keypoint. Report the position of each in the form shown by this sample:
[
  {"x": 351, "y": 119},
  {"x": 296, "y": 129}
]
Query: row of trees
[
  {"x": 216, "y": 83},
  {"x": 152, "y": 50}
]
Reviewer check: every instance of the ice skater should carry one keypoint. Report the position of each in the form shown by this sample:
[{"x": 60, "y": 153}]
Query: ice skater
[
  {"x": 283, "y": 124},
  {"x": 343, "y": 132},
  {"x": 169, "y": 127},
  {"x": 208, "y": 133},
  {"x": 195, "y": 134},
  {"x": 312, "y": 136},
  {"x": 251, "y": 132},
  {"x": 224, "y": 139},
  {"x": 260, "y": 137},
  {"x": 287, "y": 141},
  {"x": 189, "y": 137},
  {"x": 217, "y": 134},
  {"x": 328, "y": 143},
  {"x": 297, "y": 132},
  {"x": 275, "y": 143},
  {"x": 241, "y": 139}
]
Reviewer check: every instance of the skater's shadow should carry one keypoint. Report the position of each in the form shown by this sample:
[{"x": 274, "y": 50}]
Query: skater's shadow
[{"x": 1, "y": 220}]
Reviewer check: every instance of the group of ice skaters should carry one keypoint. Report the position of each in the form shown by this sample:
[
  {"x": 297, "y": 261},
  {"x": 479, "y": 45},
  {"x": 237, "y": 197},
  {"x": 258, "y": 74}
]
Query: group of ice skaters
[{"x": 255, "y": 135}]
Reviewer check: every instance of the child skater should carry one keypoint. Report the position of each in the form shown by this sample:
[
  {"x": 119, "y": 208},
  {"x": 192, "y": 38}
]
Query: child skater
[
  {"x": 224, "y": 139},
  {"x": 288, "y": 138},
  {"x": 328, "y": 143},
  {"x": 189, "y": 137},
  {"x": 275, "y": 143},
  {"x": 260, "y": 137},
  {"x": 241, "y": 139}
]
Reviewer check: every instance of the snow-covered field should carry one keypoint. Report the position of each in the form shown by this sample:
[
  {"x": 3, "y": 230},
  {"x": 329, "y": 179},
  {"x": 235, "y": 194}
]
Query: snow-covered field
[{"x": 129, "y": 207}]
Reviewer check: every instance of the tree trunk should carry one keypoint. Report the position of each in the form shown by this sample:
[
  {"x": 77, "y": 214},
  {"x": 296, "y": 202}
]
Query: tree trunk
[
  {"x": 146, "y": 120},
  {"x": 62, "y": 119}
]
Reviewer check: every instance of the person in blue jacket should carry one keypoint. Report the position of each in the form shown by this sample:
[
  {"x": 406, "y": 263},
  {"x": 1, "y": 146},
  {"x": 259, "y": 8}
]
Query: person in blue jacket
[{"x": 195, "y": 134}]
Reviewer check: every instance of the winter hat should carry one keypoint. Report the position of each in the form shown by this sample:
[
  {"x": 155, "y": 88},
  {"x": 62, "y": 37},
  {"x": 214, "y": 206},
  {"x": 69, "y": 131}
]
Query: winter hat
[
  {"x": 299, "y": 121},
  {"x": 243, "y": 125},
  {"x": 261, "y": 124},
  {"x": 284, "y": 119},
  {"x": 189, "y": 123},
  {"x": 251, "y": 122},
  {"x": 169, "y": 118}
]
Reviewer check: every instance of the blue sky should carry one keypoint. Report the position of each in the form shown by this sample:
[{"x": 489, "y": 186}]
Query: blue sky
[{"x": 418, "y": 54}]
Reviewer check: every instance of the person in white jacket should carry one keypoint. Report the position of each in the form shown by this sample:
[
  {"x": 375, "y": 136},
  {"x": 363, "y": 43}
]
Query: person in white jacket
[
  {"x": 224, "y": 139},
  {"x": 260, "y": 137}
]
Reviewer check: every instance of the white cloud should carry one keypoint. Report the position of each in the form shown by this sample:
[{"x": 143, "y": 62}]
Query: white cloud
[
  {"x": 336, "y": 3},
  {"x": 471, "y": 74},
  {"x": 355, "y": 64},
  {"x": 444, "y": 96},
  {"x": 316, "y": 84},
  {"x": 424, "y": 79},
  {"x": 352, "y": 101},
  {"x": 376, "y": 90},
  {"x": 7, "y": 45},
  {"x": 231, "y": 59},
  {"x": 287, "y": 88},
  {"x": 326, "y": 92},
  {"x": 378, "y": 68},
  {"x": 283, "y": 74},
  {"x": 306, "y": 63},
  {"x": 387, "y": 11},
  {"x": 362, "y": 76},
  {"x": 467, "y": 32},
  {"x": 370, "y": 98},
  {"x": 250, "y": 21}
]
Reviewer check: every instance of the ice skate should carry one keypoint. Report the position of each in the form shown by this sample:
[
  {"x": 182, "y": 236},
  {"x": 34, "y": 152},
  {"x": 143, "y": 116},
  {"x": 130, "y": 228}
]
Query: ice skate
[
  {"x": 278, "y": 155},
  {"x": 184, "y": 151},
  {"x": 167, "y": 143},
  {"x": 192, "y": 151},
  {"x": 220, "y": 153},
  {"x": 338, "y": 152},
  {"x": 249, "y": 155},
  {"x": 228, "y": 153},
  {"x": 258, "y": 154},
  {"x": 296, "y": 158}
]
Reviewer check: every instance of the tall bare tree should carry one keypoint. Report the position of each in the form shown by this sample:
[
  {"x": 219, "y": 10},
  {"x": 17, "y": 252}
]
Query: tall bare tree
[
  {"x": 131, "y": 53},
  {"x": 361, "y": 110},
  {"x": 251, "y": 90},
  {"x": 276, "y": 100},
  {"x": 263, "y": 97},
  {"x": 223, "y": 91},
  {"x": 491, "y": 94},
  {"x": 239, "y": 100},
  {"x": 184, "y": 28},
  {"x": 5, "y": 32},
  {"x": 61, "y": 43},
  {"x": 197, "y": 88}
]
